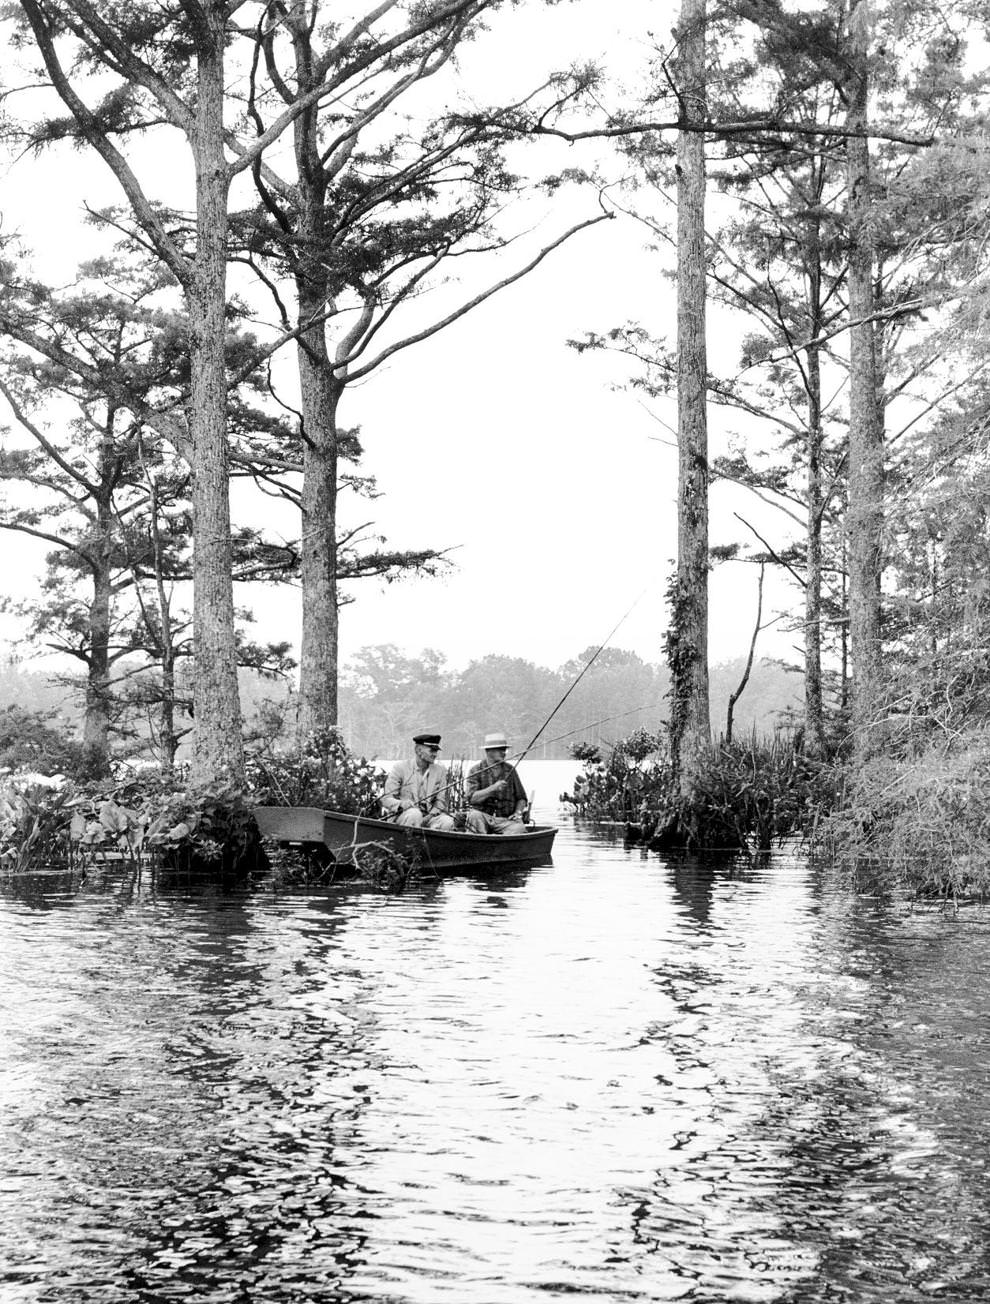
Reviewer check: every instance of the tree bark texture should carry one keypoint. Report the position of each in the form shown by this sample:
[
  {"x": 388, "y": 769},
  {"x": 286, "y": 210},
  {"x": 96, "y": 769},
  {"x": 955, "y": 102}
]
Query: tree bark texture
[
  {"x": 864, "y": 513},
  {"x": 218, "y": 754},
  {"x": 318, "y": 562},
  {"x": 319, "y": 395},
  {"x": 687, "y": 640}
]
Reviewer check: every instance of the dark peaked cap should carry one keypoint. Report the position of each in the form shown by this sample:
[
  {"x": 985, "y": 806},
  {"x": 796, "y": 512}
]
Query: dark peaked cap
[{"x": 427, "y": 738}]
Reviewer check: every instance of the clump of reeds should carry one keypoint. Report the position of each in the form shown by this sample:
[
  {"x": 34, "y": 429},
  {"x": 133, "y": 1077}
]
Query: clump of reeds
[
  {"x": 320, "y": 770},
  {"x": 747, "y": 795},
  {"x": 35, "y": 815},
  {"x": 920, "y": 822},
  {"x": 755, "y": 794}
]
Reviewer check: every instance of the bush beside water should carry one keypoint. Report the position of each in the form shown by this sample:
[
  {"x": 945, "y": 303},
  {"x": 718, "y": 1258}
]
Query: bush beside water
[
  {"x": 749, "y": 795},
  {"x": 919, "y": 822},
  {"x": 319, "y": 771},
  {"x": 57, "y": 821},
  {"x": 54, "y": 822}
]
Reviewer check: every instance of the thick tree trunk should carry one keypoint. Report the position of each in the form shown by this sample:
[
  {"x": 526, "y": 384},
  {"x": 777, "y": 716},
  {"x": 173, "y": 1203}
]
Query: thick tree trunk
[
  {"x": 687, "y": 641},
  {"x": 318, "y": 561},
  {"x": 319, "y": 395},
  {"x": 218, "y": 754},
  {"x": 864, "y": 513}
]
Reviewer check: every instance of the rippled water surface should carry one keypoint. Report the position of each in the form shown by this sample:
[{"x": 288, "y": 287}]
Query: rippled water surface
[{"x": 616, "y": 1077}]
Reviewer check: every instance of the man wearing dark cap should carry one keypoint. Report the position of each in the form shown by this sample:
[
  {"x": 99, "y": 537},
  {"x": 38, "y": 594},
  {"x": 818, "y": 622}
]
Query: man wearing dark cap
[
  {"x": 416, "y": 791},
  {"x": 496, "y": 797}
]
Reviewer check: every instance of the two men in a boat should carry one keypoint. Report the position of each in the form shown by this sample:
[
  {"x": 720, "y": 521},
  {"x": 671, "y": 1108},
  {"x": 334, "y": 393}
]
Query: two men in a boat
[{"x": 417, "y": 792}]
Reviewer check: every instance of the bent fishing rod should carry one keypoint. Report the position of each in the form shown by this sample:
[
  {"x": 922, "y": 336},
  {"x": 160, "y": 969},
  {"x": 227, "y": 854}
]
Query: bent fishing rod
[{"x": 584, "y": 670}]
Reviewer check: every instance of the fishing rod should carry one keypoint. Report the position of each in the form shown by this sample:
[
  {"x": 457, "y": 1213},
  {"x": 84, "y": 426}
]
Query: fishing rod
[
  {"x": 584, "y": 670},
  {"x": 592, "y": 724}
]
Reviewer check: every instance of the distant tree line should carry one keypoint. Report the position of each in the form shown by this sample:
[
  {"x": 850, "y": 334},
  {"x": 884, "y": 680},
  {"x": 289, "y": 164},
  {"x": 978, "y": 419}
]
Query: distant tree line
[{"x": 387, "y": 696}]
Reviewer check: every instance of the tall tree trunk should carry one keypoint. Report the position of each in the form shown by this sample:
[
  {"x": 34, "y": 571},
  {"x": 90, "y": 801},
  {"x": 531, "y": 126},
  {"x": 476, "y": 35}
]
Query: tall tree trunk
[
  {"x": 318, "y": 561},
  {"x": 864, "y": 513},
  {"x": 319, "y": 396},
  {"x": 687, "y": 639},
  {"x": 218, "y": 753}
]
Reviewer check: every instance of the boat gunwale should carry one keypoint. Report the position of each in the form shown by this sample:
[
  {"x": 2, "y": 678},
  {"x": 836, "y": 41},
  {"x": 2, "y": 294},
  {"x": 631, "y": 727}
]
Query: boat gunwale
[
  {"x": 453, "y": 836},
  {"x": 450, "y": 840}
]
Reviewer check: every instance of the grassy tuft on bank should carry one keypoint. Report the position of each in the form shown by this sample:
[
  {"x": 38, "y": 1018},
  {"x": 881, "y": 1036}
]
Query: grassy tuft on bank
[
  {"x": 921, "y": 822},
  {"x": 750, "y": 795}
]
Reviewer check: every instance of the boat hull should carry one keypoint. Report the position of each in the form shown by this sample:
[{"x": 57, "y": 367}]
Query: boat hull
[{"x": 347, "y": 837}]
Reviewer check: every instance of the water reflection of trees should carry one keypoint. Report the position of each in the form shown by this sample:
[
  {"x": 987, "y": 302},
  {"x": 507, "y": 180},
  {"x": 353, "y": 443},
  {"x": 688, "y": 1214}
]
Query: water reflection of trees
[
  {"x": 883, "y": 1127},
  {"x": 197, "y": 1113},
  {"x": 835, "y": 1152},
  {"x": 693, "y": 880}
]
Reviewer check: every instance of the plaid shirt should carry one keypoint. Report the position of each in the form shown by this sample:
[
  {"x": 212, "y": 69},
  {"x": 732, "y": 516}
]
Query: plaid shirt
[{"x": 501, "y": 803}]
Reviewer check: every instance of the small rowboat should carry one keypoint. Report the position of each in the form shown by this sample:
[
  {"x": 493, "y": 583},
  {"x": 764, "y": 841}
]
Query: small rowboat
[{"x": 345, "y": 836}]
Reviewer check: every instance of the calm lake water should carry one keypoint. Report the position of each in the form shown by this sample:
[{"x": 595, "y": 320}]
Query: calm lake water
[{"x": 619, "y": 1076}]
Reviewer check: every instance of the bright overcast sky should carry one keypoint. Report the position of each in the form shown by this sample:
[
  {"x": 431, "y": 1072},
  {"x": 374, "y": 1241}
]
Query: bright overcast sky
[{"x": 554, "y": 489}]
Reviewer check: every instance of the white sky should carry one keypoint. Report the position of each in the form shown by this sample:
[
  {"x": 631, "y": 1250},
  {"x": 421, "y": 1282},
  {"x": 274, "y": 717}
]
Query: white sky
[{"x": 494, "y": 438}]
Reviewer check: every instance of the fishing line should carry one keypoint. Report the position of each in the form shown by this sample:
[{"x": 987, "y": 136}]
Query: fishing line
[
  {"x": 593, "y": 724},
  {"x": 587, "y": 666},
  {"x": 519, "y": 756}
]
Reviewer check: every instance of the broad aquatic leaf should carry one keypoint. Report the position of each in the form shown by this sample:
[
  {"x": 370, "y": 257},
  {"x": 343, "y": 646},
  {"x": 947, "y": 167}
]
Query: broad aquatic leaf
[
  {"x": 95, "y": 832},
  {"x": 113, "y": 817}
]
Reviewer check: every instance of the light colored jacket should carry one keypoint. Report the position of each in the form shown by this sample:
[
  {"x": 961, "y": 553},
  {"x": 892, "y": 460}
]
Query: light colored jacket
[{"x": 406, "y": 783}]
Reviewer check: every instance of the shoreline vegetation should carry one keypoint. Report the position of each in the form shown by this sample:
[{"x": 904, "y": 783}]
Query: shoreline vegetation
[{"x": 917, "y": 821}]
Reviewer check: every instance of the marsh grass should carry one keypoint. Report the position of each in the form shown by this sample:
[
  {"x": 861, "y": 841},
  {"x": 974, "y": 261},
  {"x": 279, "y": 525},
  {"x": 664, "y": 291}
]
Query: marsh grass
[
  {"x": 84, "y": 827},
  {"x": 319, "y": 771},
  {"x": 920, "y": 822},
  {"x": 749, "y": 795}
]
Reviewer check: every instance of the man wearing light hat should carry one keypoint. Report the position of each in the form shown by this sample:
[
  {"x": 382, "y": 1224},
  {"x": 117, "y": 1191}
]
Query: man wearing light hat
[
  {"x": 416, "y": 791},
  {"x": 495, "y": 795}
]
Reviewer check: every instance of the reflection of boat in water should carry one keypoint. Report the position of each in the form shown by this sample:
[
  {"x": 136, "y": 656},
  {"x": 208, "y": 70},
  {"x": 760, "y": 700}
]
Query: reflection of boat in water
[{"x": 343, "y": 835}]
